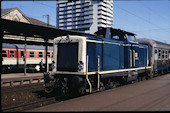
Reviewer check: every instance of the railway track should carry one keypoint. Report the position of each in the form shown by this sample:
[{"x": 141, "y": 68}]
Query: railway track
[
  {"x": 40, "y": 101},
  {"x": 34, "y": 104}
]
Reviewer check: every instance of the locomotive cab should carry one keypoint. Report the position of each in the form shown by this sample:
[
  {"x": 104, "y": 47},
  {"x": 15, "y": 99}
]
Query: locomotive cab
[{"x": 70, "y": 54}]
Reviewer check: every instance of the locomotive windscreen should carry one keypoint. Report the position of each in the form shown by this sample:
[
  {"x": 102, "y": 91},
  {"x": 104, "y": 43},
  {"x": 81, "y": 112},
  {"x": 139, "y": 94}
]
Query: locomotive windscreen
[{"x": 67, "y": 59}]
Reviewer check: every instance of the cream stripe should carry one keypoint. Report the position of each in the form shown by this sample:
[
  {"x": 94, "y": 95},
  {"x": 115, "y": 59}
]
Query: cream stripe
[{"x": 102, "y": 72}]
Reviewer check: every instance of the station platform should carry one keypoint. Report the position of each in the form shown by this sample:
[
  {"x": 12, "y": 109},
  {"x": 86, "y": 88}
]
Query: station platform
[{"x": 13, "y": 79}]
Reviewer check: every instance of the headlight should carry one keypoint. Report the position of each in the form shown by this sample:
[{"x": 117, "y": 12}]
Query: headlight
[
  {"x": 53, "y": 65},
  {"x": 80, "y": 65}
]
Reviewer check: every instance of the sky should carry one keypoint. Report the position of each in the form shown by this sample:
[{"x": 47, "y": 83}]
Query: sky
[{"x": 146, "y": 18}]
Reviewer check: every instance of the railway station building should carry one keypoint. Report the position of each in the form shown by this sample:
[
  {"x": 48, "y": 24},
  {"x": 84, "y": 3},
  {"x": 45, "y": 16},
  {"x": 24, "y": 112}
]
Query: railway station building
[
  {"x": 15, "y": 14},
  {"x": 86, "y": 16}
]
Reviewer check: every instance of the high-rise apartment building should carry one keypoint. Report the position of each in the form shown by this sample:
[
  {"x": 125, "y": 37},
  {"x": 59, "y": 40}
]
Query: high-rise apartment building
[{"x": 84, "y": 15}]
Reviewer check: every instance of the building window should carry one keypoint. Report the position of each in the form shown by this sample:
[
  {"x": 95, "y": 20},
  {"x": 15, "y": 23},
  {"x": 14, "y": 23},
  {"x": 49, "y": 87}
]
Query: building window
[
  {"x": 11, "y": 53},
  {"x": 4, "y": 53},
  {"x": 40, "y": 54},
  {"x": 31, "y": 53}
]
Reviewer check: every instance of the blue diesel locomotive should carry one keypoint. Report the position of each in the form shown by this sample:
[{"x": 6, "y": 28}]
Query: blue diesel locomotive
[{"x": 89, "y": 63}]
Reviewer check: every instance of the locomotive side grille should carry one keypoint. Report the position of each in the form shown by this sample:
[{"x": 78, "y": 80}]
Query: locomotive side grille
[{"x": 67, "y": 57}]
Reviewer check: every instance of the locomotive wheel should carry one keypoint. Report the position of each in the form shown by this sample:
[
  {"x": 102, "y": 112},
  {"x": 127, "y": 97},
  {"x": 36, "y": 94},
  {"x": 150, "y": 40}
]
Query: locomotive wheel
[
  {"x": 48, "y": 89},
  {"x": 111, "y": 84},
  {"x": 148, "y": 76},
  {"x": 143, "y": 78},
  {"x": 102, "y": 86},
  {"x": 64, "y": 88},
  {"x": 82, "y": 88}
]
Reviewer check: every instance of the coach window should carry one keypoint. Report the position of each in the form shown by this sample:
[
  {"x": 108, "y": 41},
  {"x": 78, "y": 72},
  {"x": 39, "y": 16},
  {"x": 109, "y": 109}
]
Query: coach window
[
  {"x": 48, "y": 54},
  {"x": 22, "y": 54},
  {"x": 166, "y": 55},
  {"x": 169, "y": 54},
  {"x": 11, "y": 54},
  {"x": 156, "y": 54},
  {"x": 40, "y": 54},
  {"x": 163, "y": 54},
  {"x": 159, "y": 54},
  {"x": 4, "y": 53},
  {"x": 31, "y": 53}
]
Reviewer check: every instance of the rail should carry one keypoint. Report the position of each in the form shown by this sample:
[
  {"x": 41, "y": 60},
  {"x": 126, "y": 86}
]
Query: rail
[{"x": 29, "y": 105}]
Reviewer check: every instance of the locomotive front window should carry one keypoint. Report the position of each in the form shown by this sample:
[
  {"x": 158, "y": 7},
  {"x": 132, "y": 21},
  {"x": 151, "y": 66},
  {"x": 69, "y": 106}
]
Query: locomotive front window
[
  {"x": 31, "y": 53},
  {"x": 11, "y": 54},
  {"x": 4, "y": 53},
  {"x": 67, "y": 57}
]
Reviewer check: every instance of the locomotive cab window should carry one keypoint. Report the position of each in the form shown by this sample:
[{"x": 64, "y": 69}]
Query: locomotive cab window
[
  {"x": 31, "y": 53},
  {"x": 11, "y": 53},
  {"x": 4, "y": 53},
  {"x": 115, "y": 37},
  {"x": 40, "y": 54},
  {"x": 131, "y": 38}
]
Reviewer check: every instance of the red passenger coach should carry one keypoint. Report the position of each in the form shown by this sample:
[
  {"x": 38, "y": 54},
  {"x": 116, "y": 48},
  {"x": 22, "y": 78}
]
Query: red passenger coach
[{"x": 13, "y": 56}]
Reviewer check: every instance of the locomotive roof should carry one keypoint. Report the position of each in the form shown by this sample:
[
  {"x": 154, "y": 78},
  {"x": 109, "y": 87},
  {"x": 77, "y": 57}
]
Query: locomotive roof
[
  {"x": 21, "y": 46},
  {"x": 154, "y": 43},
  {"x": 113, "y": 31}
]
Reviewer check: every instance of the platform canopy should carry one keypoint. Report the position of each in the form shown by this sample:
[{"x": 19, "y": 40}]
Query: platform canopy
[
  {"x": 35, "y": 34},
  {"x": 29, "y": 34}
]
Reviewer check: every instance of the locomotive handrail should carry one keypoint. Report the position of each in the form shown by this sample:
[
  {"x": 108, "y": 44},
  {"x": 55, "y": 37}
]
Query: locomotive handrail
[
  {"x": 90, "y": 90},
  {"x": 98, "y": 84}
]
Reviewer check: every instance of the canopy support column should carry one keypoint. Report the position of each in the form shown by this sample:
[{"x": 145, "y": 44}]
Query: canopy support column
[
  {"x": 1, "y": 57},
  {"x": 46, "y": 50},
  {"x": 25, "y": 65}
]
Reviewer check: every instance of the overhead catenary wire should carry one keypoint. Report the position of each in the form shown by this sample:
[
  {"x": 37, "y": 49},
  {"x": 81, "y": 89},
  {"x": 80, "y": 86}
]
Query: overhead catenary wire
[{"x": 140, "y": 18}]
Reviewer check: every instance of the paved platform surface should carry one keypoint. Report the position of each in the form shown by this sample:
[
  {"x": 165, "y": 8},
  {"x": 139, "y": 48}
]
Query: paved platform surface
[{"x": 149, "y": 95}]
